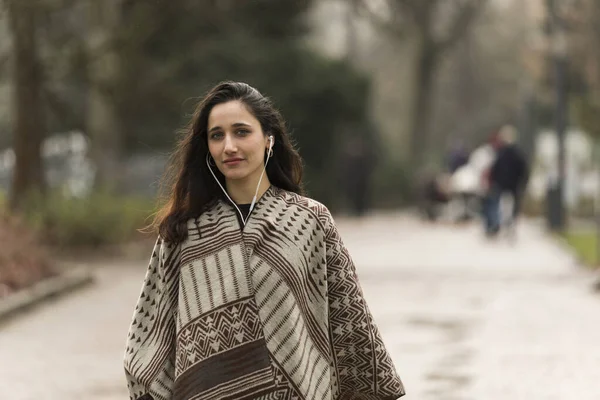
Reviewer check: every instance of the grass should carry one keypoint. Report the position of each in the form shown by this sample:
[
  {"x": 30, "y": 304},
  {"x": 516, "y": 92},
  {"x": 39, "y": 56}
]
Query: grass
[{"x": 585, "y": 245}]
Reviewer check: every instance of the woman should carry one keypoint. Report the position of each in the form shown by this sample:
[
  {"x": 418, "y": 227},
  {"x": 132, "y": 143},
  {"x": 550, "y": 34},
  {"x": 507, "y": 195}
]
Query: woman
[{"x": 250, "y": 292}]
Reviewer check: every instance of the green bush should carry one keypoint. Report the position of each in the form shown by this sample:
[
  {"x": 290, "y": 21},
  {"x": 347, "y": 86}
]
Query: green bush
[{"x": 100, "y": 219}]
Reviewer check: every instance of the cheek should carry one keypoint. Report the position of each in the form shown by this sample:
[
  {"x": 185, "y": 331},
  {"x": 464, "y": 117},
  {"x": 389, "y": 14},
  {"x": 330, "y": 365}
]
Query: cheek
[
  {"x": 213, "y": 149},
  {"x": 259, "y": 148},
  {"x": 258, "y": 154}
]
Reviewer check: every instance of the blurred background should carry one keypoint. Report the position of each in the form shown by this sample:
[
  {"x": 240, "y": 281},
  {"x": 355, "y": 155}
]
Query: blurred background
[
  {"x": 92, "y": 93},
  {"x": 376, "y": 92},
  {"x": 387, "y": 101}
]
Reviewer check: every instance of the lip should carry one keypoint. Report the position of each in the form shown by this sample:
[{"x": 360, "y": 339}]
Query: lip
[{"x": 233, "y": 161}]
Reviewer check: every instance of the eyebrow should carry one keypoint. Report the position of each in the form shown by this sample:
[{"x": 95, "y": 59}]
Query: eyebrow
[{"x": 236, "y": 125}]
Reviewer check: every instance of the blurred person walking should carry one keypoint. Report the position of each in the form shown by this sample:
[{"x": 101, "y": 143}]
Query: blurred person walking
[
  {"x": 458, "y": 156},
  {"x": 509, "y": 175},
  {"x": 250, "y": 292},
  {"x": 481, "y": 161},
  {"x": 462, "y": 182}
]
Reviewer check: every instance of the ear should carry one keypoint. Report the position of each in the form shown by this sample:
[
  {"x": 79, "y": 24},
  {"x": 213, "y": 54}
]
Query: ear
[{"x": 270, "y": 141}]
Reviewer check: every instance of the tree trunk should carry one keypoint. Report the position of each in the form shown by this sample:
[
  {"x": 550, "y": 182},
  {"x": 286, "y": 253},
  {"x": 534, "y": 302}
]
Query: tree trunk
[
  {"x": 425, "y": 68},
  {"x": 103, "y": 123},
  {"x": 27, "y": 108},
  {"x": 596, "y": 54},
  {"x": 467, "y": 80}
]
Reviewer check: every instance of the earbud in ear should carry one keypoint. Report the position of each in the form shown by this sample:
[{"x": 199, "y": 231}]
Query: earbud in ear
[{"x": 272, "y": 142}]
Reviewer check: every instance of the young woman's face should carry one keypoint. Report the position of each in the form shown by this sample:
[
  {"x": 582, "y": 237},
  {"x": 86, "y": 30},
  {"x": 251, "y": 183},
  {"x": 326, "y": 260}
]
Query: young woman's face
[{"x": 236, "y": 141}]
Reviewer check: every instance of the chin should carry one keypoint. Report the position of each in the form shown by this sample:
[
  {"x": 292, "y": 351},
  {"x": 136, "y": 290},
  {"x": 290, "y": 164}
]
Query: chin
[{"x": 236, "y": 175}]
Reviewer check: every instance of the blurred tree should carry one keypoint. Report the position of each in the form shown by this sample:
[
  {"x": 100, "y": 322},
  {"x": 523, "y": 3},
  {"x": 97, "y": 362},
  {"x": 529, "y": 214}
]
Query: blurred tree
[
  {"x": 435, "y": 26},
  {"x": 62, "y": 25},
  {"x": 128, "y": 73},
  {"x": 484, "y": 81},
  {"x": 103, "y": 72},
  {"x": 171, "y": 52},
  {"x": 585, "y": 57},
  {"x": 27, "y": 105}
]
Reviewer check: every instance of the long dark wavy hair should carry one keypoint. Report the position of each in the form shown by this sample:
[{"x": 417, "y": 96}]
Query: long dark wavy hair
[{"x": 188, "y": 188}]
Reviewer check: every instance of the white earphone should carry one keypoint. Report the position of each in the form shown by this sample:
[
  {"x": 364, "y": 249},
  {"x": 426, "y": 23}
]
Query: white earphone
[{"x": 271, "y": 141}]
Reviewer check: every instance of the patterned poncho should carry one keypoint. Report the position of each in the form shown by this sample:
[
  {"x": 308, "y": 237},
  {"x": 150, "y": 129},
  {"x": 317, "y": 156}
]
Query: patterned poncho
[{"x": 272, "y": 310}]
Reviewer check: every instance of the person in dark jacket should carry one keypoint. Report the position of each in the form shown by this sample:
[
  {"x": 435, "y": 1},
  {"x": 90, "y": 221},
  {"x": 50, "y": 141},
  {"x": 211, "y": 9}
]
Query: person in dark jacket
[
  {"x": 508, "y": 175},
  {"x": 457, "y": 157}
]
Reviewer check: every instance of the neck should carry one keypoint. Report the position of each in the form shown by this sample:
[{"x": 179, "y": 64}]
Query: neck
[{"x": 242, "y": 191}]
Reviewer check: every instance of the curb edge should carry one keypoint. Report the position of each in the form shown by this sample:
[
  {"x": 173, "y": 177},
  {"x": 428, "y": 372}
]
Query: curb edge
[{"x": 53, "y": 287}]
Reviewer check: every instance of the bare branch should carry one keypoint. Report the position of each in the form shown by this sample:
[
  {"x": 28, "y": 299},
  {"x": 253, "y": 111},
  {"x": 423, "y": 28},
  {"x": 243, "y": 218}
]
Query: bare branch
[
  {"x": 393, "y": 24},
  {"x": 58, "y": 106},
  {"x": 462, "y": 22},
  {"x": 4, "y": 59},
  {"x": 58, "y": 4},
  {"x": 421, "y": 10}
]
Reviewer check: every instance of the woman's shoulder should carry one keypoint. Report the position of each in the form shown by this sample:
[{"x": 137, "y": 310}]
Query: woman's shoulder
[
  {"x": 165, "y": 250},
  {"x": 209, "y": 213},
  {"x": 303, "y": 205}
]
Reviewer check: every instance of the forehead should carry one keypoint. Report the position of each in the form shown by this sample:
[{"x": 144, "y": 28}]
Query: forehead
[{"x": 230, "y": 113}]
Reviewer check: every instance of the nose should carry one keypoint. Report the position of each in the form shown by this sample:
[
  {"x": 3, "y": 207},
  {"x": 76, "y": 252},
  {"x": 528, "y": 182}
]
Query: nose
[{"x": 230, "y": 145}]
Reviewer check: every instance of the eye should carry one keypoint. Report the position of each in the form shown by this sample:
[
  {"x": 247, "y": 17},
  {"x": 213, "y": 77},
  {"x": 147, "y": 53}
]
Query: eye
[
  {"x": 243, "y": 132},
  {"x": 216, "y": 135}
]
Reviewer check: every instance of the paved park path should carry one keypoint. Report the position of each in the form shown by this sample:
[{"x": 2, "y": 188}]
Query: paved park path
[{"x": 464, "y": 318}]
